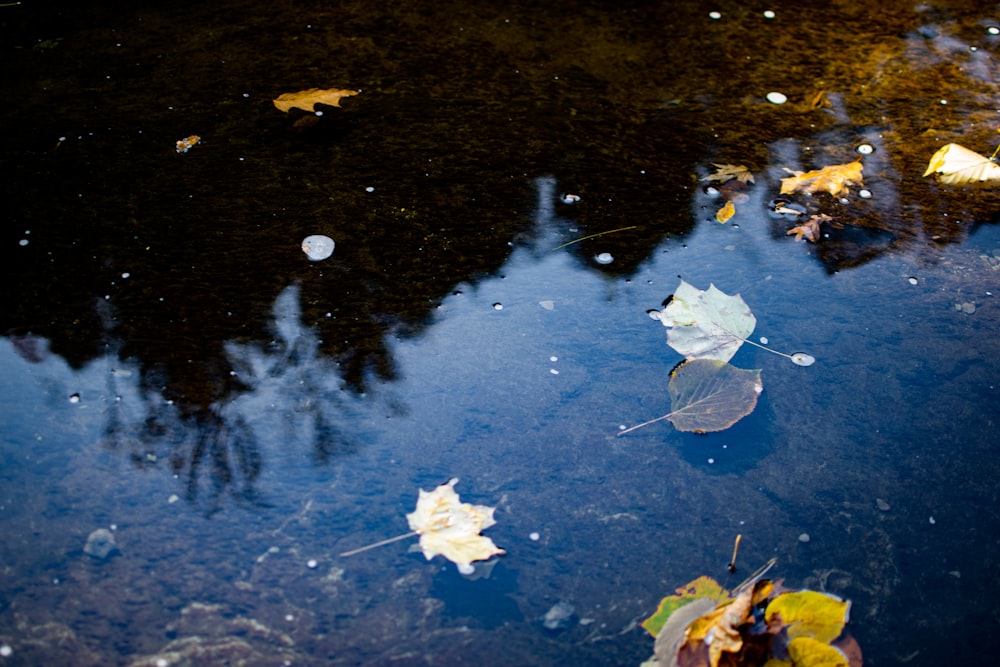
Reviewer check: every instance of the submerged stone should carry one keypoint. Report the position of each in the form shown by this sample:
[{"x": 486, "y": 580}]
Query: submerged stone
[{"x": 100, "y": 544}]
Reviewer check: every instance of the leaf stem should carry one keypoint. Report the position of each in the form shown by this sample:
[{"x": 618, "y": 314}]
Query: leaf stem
[
  {"x": 765, "y": 347},
  {"x": 378, "y": 544},
  {"x": 651, "y": 421},
  {"x": 591, "y": 236}
]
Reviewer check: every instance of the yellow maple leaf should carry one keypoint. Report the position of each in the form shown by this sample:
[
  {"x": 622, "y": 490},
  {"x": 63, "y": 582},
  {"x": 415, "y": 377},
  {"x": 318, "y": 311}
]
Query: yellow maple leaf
[
  {"x": 450, "y": 528},
  {"x": 957, "y": 165},
  {"x": 308, "y": 99},
  {"x": 727, "y": 172},
  {"x": 833, "y": 179},
  {"x": 726, "y": 212}
]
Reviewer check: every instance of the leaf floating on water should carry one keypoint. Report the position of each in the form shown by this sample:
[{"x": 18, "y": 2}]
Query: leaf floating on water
[
  {"x": 703, "y": 628},
  {"x": 727, "y": 172},
  {"x": 701, "y": 588},
  {"x": 450, "y": 528},
  {"x": 957, "y": 165},
  {"x": 308, "y": 99},
  {"x": 726, "y": 212},
  {"x": 447, "y": 527},
  {"x": 185, "y": 144},
  {"x": 809, "y": 614},
  {"x": 710, "y": 395},
  {"x": 706, "y": 324},
  {"x": 834, "y": 179}
]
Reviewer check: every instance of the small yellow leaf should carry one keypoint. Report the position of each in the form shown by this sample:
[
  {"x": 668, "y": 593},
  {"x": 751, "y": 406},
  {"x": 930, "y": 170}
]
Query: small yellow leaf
[
  {"x": 833, "y": 179},
  {"x": 726, "y": 212},
  {"x": 957, "y": 165},
  {"x": 185, "y": 144},
  {"x": 450, "y": 528},
  {"x": 308, "y": 99}
]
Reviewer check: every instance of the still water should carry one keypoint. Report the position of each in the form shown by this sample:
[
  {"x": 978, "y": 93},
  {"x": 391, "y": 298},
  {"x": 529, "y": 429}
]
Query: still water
[{"x": 510, "y": 193}]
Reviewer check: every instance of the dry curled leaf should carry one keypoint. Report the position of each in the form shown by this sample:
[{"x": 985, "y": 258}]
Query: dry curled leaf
[
  {"x": 308, "y": 99},
  {"x": 726, "y": 172},
  {"x": 449, "y": 527},
  {"x": 957, "y": 165},
  {"x": 834, "y": 179},
  {"x": 809, "y": 229}
]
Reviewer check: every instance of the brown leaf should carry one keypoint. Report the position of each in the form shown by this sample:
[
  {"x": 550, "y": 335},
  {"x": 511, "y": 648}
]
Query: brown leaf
[
  {"x": 809, "y": 229},
  {"x": 833, "y": 179},
  {"x": 726, "y": 172},
  {"x": 308, "y": 99}
]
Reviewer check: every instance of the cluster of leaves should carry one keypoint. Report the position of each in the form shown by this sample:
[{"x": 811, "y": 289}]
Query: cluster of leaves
[
  {"x": 759, "y": 624},
  {"x": 834, "y": 179},
  {"x": 708, "y": 327},
  {"x": 733, "y": 180}
]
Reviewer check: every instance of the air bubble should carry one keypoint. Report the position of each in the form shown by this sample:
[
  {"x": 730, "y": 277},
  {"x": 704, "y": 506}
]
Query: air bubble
[
  {"x": 604, "y": 258},
  {"x": 865, "y": 149},
  {"x": 498, "y": 306},
  {"x": 865, "y": 193},
  {"x": 912, "y": 280},
  {"x": 715, "y": 16},
  {"x": 768, "y": 14},
  {"x": 776, "y": 98}
]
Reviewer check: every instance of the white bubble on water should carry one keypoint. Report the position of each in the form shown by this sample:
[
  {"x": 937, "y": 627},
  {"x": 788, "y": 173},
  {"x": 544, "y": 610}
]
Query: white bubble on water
[{"x": 318, "y": 247}]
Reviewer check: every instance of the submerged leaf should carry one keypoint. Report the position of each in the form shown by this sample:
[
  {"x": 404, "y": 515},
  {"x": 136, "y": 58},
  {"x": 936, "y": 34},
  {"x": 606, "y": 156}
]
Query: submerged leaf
[
  {"x": 727, "y": 172},
  {"x": 957, "y": 165},
  {"x": 711, "y": 395},
  {"x": 706, "y": 324},
  {"x": 308, "y": 99},
  {"x": 833, "y": 179},
  {"x": 449, "y": 527}
]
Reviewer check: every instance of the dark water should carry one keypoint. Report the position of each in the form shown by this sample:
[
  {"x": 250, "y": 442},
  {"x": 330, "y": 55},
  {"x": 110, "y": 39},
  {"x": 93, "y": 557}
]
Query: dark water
[{"x": 175, "y": 370}]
